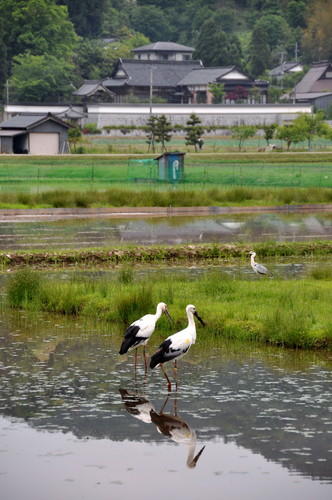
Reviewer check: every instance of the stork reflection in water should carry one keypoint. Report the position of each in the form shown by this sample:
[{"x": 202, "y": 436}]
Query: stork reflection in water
[
  {"x": 172, "y": 426},
  {"x": 178, "y": 431}
]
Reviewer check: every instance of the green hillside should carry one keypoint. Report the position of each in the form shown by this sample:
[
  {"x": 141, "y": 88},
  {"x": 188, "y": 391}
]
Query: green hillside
[{"x": 49, "y": 46}]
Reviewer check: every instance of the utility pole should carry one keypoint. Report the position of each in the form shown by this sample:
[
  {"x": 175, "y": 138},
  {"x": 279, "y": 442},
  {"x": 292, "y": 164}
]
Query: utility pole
[
  {"x": 296, "y": 51},
  {"x": 7, "y": 91},
  {"x": 151, "y": 88}
]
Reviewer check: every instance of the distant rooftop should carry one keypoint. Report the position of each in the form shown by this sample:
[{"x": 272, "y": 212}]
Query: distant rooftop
[
  {"x": 164, "y": 47},
  {"x": 27, "y": 121}
]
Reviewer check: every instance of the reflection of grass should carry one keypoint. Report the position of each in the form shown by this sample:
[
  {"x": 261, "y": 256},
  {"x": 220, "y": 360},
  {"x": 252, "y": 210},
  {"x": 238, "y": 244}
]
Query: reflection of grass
[{"x": 288, "y": 313}]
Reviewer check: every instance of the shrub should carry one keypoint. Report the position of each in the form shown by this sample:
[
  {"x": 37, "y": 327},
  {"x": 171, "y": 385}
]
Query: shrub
[{"x": 23, "y": 287}]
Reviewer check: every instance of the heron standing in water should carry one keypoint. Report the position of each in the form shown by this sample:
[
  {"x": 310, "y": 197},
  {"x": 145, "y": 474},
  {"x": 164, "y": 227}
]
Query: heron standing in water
[{"x": 258, "y": 268}]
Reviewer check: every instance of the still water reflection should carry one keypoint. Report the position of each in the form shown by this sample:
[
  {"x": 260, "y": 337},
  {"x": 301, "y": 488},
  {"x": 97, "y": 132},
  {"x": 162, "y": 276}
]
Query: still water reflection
[
  {"x": 77, "y": 422},
  {"x": 168, "y": 230}
]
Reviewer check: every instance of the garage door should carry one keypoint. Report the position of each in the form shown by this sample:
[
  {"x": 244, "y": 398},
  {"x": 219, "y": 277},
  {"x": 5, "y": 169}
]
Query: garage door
[{"x": 43, "y": 144}]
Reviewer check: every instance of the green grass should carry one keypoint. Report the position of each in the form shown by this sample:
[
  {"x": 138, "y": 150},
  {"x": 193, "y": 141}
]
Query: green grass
[
  {"x": 166, "y": 197},
  {"x": 132, "y": 254},
  {"x": 76, "y": 172},
  {"x": 213, "y": 143},
  {"x": 284, "y": 313}
]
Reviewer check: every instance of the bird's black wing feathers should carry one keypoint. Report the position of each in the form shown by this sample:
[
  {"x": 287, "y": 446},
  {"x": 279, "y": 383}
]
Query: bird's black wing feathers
[
  {"x": 165, "y": 353},
  {"x": 130, "y": 339}
]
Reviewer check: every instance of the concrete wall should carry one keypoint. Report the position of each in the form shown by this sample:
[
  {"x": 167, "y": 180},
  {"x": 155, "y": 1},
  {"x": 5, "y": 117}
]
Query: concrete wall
[{"x": 216, "y": 115}]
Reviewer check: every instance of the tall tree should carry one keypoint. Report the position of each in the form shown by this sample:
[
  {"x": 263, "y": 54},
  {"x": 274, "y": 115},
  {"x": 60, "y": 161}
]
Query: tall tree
[
  {"x": 259, "y": 51},
  {"x": 317, "y": 40},
  {"x": 215, "y": 48},
  {"x": 152, "y": 22},
  {"x": 86, "y": 15}
]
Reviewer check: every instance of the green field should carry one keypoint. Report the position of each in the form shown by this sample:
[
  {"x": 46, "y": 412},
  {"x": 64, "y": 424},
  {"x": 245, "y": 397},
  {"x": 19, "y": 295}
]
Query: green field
[
  {"x": 36, "y": 174},
  {"x": 213, "y": 143}
]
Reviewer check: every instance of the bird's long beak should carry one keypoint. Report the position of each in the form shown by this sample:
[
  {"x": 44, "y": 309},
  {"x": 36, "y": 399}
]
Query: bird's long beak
[
  {"x": 169, "y": 316},
  {"x": 199, "y": 318},
  {"x": 194, "y": 461}
]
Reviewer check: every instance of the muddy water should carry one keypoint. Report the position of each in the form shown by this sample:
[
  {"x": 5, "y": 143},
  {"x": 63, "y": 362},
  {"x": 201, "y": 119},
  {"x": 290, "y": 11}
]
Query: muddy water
[
  {"x": 219, "y": 228},
  {"x": 77, "y": 421}
]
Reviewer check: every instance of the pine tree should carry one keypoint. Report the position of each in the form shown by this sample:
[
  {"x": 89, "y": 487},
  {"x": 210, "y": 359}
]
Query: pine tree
[
  {"x": 194, "y": 131},
  {"x": 163, "y": 131},
  {"x": 151, "y": 128}
]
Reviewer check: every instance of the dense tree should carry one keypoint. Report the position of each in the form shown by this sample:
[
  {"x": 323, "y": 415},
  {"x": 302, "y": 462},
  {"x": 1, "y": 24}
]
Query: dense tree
[
  {"x": 317, "y": 40},
  {"x": 37, "y": 26},
  {"x": 86, "y": 15},
  {"x": 41, "y": 78},
  {"x": 216, "y": 48},
  {"x": 152, "y": 22},
  {"x": 259, "y": 51},
  {"x": 296, "y": 13}
]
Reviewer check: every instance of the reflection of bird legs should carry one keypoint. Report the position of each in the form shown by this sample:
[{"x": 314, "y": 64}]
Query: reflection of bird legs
[{"x": 169, "y": 385}]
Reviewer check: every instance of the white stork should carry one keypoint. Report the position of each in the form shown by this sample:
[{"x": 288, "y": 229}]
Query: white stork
[
  {"x": 140, "y": 331},
  {"x": 258, "y": 268},
  {"x": 176, "y": 345}
]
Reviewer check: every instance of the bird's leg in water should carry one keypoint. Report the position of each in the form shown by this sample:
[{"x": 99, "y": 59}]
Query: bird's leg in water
[
  {"x": 166, "y": 376},
  {"x": 175, "y": 368},
  {"x": 135, "y": 363},
  {"x": 145, "y": 363}
]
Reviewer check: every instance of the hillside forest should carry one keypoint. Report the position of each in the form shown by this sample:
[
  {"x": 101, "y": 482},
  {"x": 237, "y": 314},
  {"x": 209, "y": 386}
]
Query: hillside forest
[{"x": 48, "y": 47}]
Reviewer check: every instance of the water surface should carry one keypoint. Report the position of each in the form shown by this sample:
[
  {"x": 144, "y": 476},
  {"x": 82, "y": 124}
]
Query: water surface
[
  {"x": 77, "y": 421},
  {"x": 164, "y": 230}
]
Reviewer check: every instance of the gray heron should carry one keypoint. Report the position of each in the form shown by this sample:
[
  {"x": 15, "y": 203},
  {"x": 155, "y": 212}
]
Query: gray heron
[{"x": 258, "y": 268}]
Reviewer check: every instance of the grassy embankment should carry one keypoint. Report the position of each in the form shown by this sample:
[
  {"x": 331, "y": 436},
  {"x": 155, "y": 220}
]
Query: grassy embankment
[
  {"x": 161, "y": 254},
  {"x": 285, "y": 313},
  {"x": 210, "y": 180}
]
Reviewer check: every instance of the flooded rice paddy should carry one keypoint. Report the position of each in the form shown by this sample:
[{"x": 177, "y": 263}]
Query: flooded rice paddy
[
  {"x": 84, "y": 233},
  {"x": 77, "y": 421}
]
